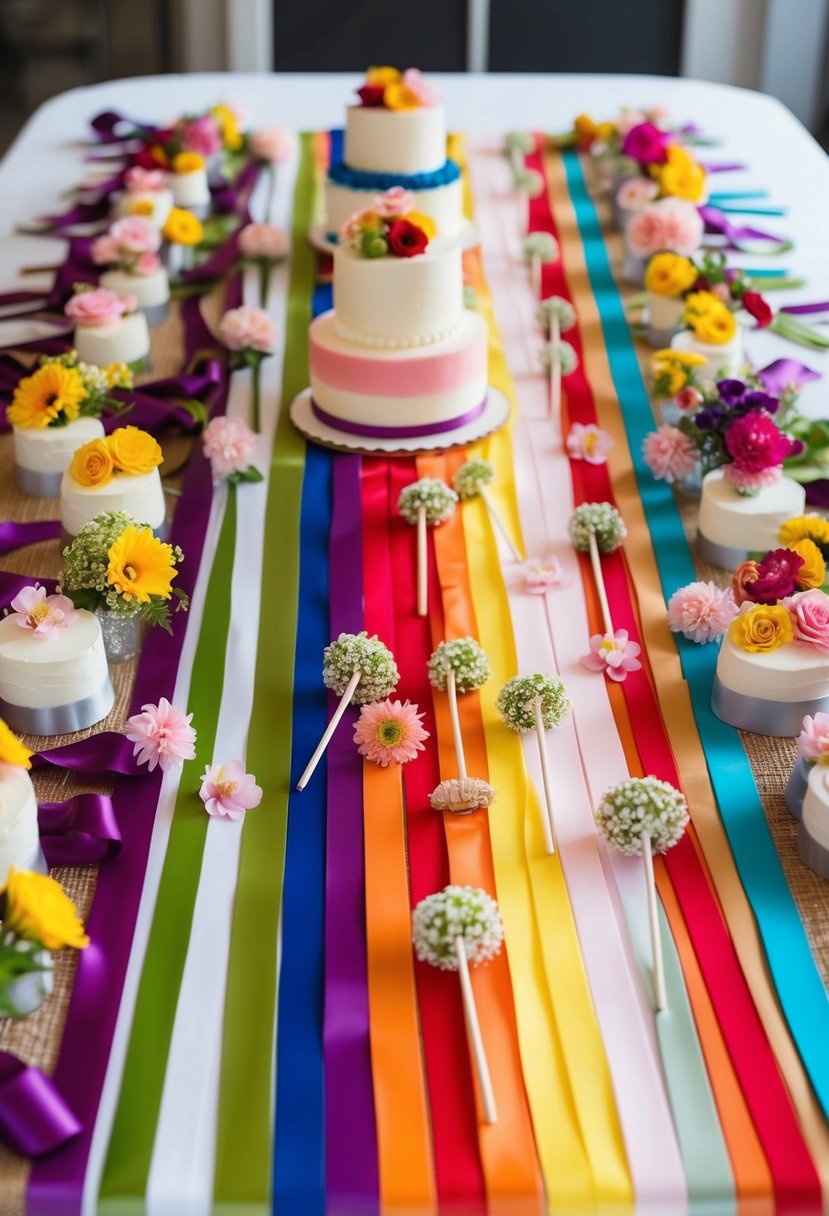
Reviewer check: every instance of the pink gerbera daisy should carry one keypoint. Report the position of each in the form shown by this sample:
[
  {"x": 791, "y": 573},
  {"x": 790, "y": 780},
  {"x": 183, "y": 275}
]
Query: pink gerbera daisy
[
  {"x": 162, "y": 735},
  {"x": 389, "y": 732}
]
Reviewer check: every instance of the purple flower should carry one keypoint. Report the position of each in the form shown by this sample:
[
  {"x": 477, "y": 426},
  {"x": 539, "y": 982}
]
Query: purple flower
[
  {"x": 710, "y": 417},
  {"x": 731, "y": 390},
  {"x": 758, "y": 400}
]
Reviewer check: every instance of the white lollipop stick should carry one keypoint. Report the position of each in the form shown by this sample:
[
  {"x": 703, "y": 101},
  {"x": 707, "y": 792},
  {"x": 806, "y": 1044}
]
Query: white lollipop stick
[
  {"x": 555, "y": 366},
  {"x": 473, "y": 1030},
  {"x": 660, "y": 996},
  {"x": 546, "y": 818},
  {"x": 596, "y": 563},
  {"x": 422, "y": 565},
  {"x": 329, "y": 730},
  {"x": 535, "y": 265},
  {"x": 496, "y": 519},
  {"x": 460, "y": 755}
]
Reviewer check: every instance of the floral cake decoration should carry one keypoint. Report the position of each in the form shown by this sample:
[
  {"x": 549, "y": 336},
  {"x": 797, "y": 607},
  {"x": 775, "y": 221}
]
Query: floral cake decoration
[
  {"x": 392, "y": 89},
  {"x": 390, "y": 227},
  {"x": 63, "y": 388}
]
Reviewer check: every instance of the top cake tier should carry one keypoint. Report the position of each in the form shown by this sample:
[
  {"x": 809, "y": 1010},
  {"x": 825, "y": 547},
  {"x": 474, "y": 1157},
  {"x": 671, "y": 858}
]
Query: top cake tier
[{"x": 395, "y": 141}]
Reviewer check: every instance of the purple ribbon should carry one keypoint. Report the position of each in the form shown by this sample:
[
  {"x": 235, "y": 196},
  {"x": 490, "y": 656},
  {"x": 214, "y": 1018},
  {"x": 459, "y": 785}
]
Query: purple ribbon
[
  {"x": 12, "y": 584},
  {"x": 79, "y": 213},
  {"x": 42, "y": 346},
  {"x": 739, "y": 235},
  {"x": 218, "y": 264},
  {"x": 229, "y": 196},
  {"x": 805, "y": 310},
  {"x": 108, "y": 127},
  {"x": 817, "y": 493},
  {"x": 724, "y": 166},
  {"x": 34, "y": 1118},
  {"x": 16, "y": 535},
  {"x": 107, "y": 754},
  {"x": 786, "y": 373},
  {"x": 396, "y": 432},
  {"x": 78, "y": 832}
]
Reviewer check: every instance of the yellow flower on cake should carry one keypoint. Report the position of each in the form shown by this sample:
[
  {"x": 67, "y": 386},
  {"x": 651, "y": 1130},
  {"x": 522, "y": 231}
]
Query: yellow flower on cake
[
  {"x": 671, "y": 369},
  {"x": 382, "y": 76},
  {"x": 763, "y": 628},
  {"x": 118, "y": 375},
  {"x": 715, "y": 328},
  {"x": 142, "y": 206},
  {"x": 684, "y": 358},
  {"x": 39, "y": 910},
  {"x": 42, "y": 397},
  {"x": 681, "y": 176},
  {"x": 92, "y": 464},
  {"x": 188, "y": 162},
  {"x": 182, "y": 227},
  {"x": 13, "y": 750},
  {"x": 815, "y": 527},
  {"x": 668, "y": 274},
  {"x": 140, "y": 566},
  {"x": 398, "y": 96},
  {"x": 700, "y": 303},
  {"x": 813, "y": 571},
  {"x": 424, "y": 222},
  {"x": 133, "y": 451},
  {"x": 228, "y": 125}
]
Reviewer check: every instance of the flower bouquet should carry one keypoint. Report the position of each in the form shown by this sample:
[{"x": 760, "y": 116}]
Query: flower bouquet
[
  {"x": 109, "y": 328},
  {"x": 37, "y": 917}
]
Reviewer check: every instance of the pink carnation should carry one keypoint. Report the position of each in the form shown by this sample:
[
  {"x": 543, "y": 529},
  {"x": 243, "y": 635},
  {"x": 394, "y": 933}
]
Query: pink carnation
[
  {"x": 227, "y": 791},
  {"x": 755, "y": 443},
  {"x": 414, "y": 79},
  {"x": 147, "y": 263},
  {"x": 810, "y": 617},
  {"x": 136, "y": 234},
  {"x": 162, "y": 735},
  {"x": 202, "y": 135},
  {"x": 614, "y": 654},
  {"x": 646, "y": 144},
  {"x": 228, "y": 444},
  {"x": 669, "y": 454},
  {"x": 636, "y": 192},
  {"x": 748, "y": 482},
  {"x": 248, "y": 328},
  {"x": 589, "y": 443},
  {"x": 43, "y": 614},
  {"x": 99, "y": 307},
  {"x": 273, "y": 143},
  {"x": 145, "y": 181},
  {"x": 813, "y": 740},
  {"x": 542, "y": 573},
  {"x": 389, "y": 732},
  {"x": 105, "y": 251},
  {"x": 668, "y": 224},
  {"x": 701, "y": 612},
  {"x": 263, "y": 241},
  {"x": 393, "y": 203}
]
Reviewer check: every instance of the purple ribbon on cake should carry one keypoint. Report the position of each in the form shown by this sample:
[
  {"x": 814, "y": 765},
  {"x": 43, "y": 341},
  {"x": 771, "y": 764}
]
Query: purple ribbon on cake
[
  {"x": 34, "y": 1118},
  {"x": 78, "y": 832},
  {"x": 397, "y": 432}
]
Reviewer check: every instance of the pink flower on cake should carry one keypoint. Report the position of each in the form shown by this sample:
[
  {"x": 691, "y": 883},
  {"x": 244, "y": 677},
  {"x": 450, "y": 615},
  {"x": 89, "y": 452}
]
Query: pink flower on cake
[
  {"x": 672, "y": 224},
  {"x": 202, "y": 135},
  {"x": 389, "y": 732},
  {"x": 273, "y": 143},
  {"x": 43, "y": 614},
  {"x": 162, "y": 735},
  {"x": 614, "y": 654},
  {"x": 99, "y": 307},
  {"x": 669, "y": 453},
  {"x": 813, "y": 740},
  {"x": 228, "y": 444},
  {"x": 145, "y": 181},
  {"x": 136, "y": 234},
  {"x": 414, "y": 80},
  {"x": 646, "y": 143},
  {"x": 147, "y": 263},
  {"x": 105, "y": 250},
  {"x": 701, "y": 612},
  {"x": 810, "y": 617},
  {"x": 393, "y": 203},
  {"x": 636, "y": 193},
  {"x": 542, "y": 573},
  {"x": 688, "y": 398},
  {"x": 227, "y": 791},
  {"x": 248, "y": 328},
  {"x": 263, "y": 242},
  {"x": 746, "y": 481},
  {"x": 589, "y": 443}
]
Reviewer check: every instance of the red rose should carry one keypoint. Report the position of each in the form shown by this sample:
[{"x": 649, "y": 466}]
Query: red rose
[
  {"x": 756, "y": 306},
  {"x": 406, "y": 240},
  {"x": 371, "y": 94}
]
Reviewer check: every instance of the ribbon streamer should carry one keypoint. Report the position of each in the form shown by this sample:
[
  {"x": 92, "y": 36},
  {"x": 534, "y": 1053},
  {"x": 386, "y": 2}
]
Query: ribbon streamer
[
  {"x": 17, "y": 535},
  {"x": 742, "y": 236},
  {"x": 786, "y": 373},
  {"x": 105, "y": 754},
  {"x": 79, "y": 832},
  {"x": 34, "y": 1118}
]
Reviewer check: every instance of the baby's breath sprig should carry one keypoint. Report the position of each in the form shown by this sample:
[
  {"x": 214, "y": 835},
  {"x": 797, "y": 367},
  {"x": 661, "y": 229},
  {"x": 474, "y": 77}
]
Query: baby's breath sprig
[
  {"x": 603, "y": 521},
  {"x": 568, "y": 360},
  {"x": 357, "y": 652},
  {"x": 537, "y": 702},
  {"x": 466, "y": 658},
  {"x": 472, "y": 476}
]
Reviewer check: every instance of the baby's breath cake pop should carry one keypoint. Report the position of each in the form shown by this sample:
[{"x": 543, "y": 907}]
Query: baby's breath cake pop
[
  {"x": 638, "y": 817},
  {"x": 427, "y": 502},
  {"x": 556, "y": 312},
  {"x": 598, "y": 519},
  {"x": 537, "y": 702},
  {"x": 456, "y": 667},
  {"x": 561, "y": 353},
  {"x": 471, "y": 481},
  {"x": 361, "y": 670},
  {"x": 452, "y": 929},
  {"x": 539, "y": 249}
]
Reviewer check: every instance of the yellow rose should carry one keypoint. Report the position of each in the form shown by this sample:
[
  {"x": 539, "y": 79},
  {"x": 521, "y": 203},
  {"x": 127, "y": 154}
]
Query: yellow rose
[
  {"x": 142, "y": 206},
  {"x": 681, "y": 176},
  {"x": 182, "y": 228},
  {"x": 670, "y": 378},
  {"x": 685, "y": 358},
  {"x": 92, "y": 464},
  {"x": 668, "y": 274},
  {"x": 228, "y": 125},
  {"x": 813, "y": 571},
  {"x": 398, "y": 96},
  {"x": 382, "y": 76},
  {"x": 716, "y": 327},
  {"x": 605, "y": 131},
  {"x": 13, "y": 750},
  {"x": 585, "y": 130},
  {"x": 39, "y": 910},
  {"x": 134, "y": 451},
  {"x": 813, "y": 526},
  {"x": 699, "y": 303},
  {"x": 188, "y": 162},
  {"x": 763, "y": 628},
  {"x": 424, "y": 222}
]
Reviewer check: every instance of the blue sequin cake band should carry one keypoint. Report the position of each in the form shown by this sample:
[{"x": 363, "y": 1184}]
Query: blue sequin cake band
[{"x": 358, "y": 179}]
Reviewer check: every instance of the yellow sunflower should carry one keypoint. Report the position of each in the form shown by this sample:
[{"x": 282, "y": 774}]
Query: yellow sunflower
[
  {"x": 13, "y": 750},
  {"x": 42, "y": 397},
  {"x": 140, "y": 566},
  {"x": 39, "y": 910}
]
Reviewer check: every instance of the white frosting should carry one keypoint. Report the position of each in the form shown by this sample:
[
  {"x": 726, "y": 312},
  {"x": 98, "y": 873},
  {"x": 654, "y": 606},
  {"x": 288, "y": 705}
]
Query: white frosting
[
  {"x": 815, "y": 816},
  {"x": 161, "y": 202},
  {"x": 443, "y": 204},
  {"x": 724, "y": 361},
  {"x": 190, "y": 189},
  {"x": 142, "y": 497},
  {"x": 125, "y": 341},
  {"x": 42, "y": 673},
  {"x": 378, "y": 140},
  {"x": 19, "y": 835},
  {"x": 664, "y": 311},
  {"x": 148, "y": 289},
  {"x": 50, "y": 450},
  {"x": 398, "y": 301},
  {"x": 791, "y": 673},
  {"x": 747, "y": 522}
]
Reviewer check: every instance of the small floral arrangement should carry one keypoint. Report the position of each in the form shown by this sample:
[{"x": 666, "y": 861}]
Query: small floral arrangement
[
  {"x": 116, "y": 564},
  {"x": 250, "y": 335},
  {"x": 229, "y": 444},
  {"x": 62, "y": 388},
  {"x": 666, "y": 225},
  {"x": 711, "y": 320},
  {"x": 43, "y": 615},
  {"x": 392, "y": 89},
  {"x": 390, "y": 732},
  {"x": 779, "y": 574},
  {"x": 208, "y": 134},
  {"x": 516, "y": 701},
  {"x": 162, "y": 735},
  {"x": 36, "y": 916},
  {"x": 466, "y": 912},
  {"x": 128, "y": 451},
  {"x": 642, "y": 806},
  {"x": 390, "y": 227},
  {"x": 674, "y": 374},
  {"x": 97, "y": 306},
  {"x": 131, "y": 244}
]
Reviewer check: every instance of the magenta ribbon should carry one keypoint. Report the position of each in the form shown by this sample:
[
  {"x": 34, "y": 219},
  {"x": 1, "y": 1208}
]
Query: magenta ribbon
[
  {"x": 786, "y": 373},
  {"x": 78, "y": 267},
  {"x": 78, "y": 832},
  {"x": 34, "y": 1118},
  {"x": 16, "y": 535},
  {"x": 739, "y": 236},
  {"x": 107, "y": 754},
  {"x": 396, "y": 432}
]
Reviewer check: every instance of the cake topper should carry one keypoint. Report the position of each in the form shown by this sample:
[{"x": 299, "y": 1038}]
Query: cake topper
[
  {"x": 537, "y": 702},
  {"x": 427, "y": 502},
  {"x": 471, "y": 481}
]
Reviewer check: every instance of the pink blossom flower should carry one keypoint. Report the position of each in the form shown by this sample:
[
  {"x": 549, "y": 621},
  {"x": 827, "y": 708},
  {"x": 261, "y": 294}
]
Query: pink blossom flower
[
  {"x": 755, "y": 443},
  {"x": 202, "y": 135},
  {"x": 273, "y": 143},
  {"x": 389, "y": 732},
  {"x": 99, "y": 307},
  {"x": 589, "y": 443},
  {"x": 227, "y": 791},
  {"x": 636, "y": 192},
  {"x": 248, "y": 328},
  {"x": 145, "y": 181},
  {"x": 136, "y": 234},
  {"x": 688, "y": 398},
  {"x": 628, "y": 119},
  {"x": 105, "y": 250},
  {"x": 813, "y": 740},
  {"x": 614, "y": 654},
  {"x": 162, "y": 735},
  {"x": 393, "y": 203},
  {"x": 646, "y": 143},
  {"x": 701, "y": 612},
  {"x": 44, "y": 614},
  {"x": 414, "y": 79},
  {"x": 228, "y": 444},
  {"x": 147, "y": 263},
  {"x": 542, "y": 573},
  {"x": 669, "y": 454},
  {"x": 263, "y": 242},
  {"x": 746, "y": 481},
  {"x": 672, "y": 224},
  {"x": 810, "y": 617}
]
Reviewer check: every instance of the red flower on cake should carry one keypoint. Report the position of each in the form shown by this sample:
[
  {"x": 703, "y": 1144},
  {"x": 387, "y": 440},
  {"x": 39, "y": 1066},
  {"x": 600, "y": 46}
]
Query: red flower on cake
[
  {"x": 406, "y": 240},
  {"x": 757, "y": 307},
  {"x": 371, "y": 94}
]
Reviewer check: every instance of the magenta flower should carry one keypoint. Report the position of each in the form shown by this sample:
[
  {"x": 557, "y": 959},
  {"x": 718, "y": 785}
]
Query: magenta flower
[
  {"x": 589, "y": 443},
  {"x": 44, "y": 614},
  {"x": 755, "y": 443},
  {"x": 813, "y": 740},
  {"x": 614, "y": 654},
  {"x": 228, "y": 444},
  {"x": 202, "y": 135},
  {"x": 542, "y": 573},
  {"x": 810, "y": 617},
  {"x": 701, "y": 612},
  {"x": 389, "y": 732},
  {"x": 162, "y": 735},
  {"x": 227, "y": 791},
  {"x": 669, "y": 453},
  {"x": 647, "y": 144}
]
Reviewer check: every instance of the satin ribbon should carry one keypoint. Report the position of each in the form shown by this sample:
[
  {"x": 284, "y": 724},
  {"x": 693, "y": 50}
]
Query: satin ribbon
[
  {"x": 805, "y": 310},
  {"x": 17, "y": 535},
  {"x": 79, "y": 832},
  {"x": 12, "y": 584},
  {"x": 397, "y": 432},
  {"x": 786, "y": 373},
  {"x": 79, "y": 213},
  {"x": 742, "y": 236},
  {"x": 34, "y": 1118},
  {"x": 105, "y": 754},
  {"x": 108, "y": 127},
  {"x": 724, "y": 166}
]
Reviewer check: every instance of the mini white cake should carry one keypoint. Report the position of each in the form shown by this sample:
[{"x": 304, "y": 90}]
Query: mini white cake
[
  {"x": 19, "y": 835},
  {"x": 57, "y": 683},
  {"x": 141, "y": 496},
  {"x": 443, "y": 204},
  {"x": 723, "y": 362},
  {"x": 664, "y": 313},
  {"x": 813, "y": 832},
  {"x": 150, "y": 290},
  {"x": 398, "y": 302},
  {"x": 124, "y": 341},
  {"x": 732, "y": 525},
  {"x": 159, "y": 203},
  {"x": 770, "y": 692},
  {"x": 42, "y": 455},
  {"x": 191, "y": 190}
]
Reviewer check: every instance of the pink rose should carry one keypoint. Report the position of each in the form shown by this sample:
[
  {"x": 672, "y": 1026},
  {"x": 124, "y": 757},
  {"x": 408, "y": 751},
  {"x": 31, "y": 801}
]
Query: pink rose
[
  {"x": 813, "y": 740},
  {"x": 636, "y": 192},
  {"x": 248, "y": 328},
  {"x": 646, "y": 144},
  {"x": 668, "y": 224},
  {"x": 136, "y": 234},
  {"x": 228, "y": 444},
  {"x": 393, "y": 203},
  {"x": 202, "y": 135},
  {"x": 414, "y": 79},
  {"x": 148, "y": 263},
  {"x": 145, "y": 181},
  {"x": 105, "y": 250},
  {"x": 99, "y": 307},
  {"x": 688, "y": 398},
  {"x": 273, "y": 143},
  {"x": 810, "y": 617},
  {"x": 263, "y": 241}
]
